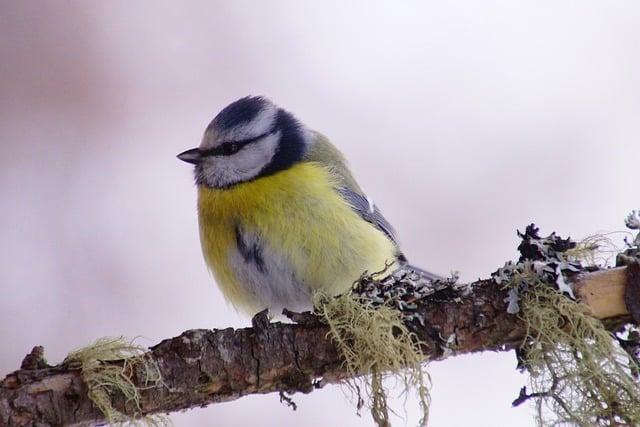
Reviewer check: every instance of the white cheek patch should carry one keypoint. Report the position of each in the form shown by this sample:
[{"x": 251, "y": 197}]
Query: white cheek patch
[{"x": 246, "y": 164}]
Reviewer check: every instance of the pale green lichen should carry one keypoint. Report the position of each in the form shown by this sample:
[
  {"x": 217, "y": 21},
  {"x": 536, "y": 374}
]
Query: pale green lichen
[
  {"x": 579, "y": 373},
  {"x": 595, "y": 250},
  {"x": 376, "y": 345},
  {"x": 105, "y": 379},
  {"x": 582, "y": 375}
]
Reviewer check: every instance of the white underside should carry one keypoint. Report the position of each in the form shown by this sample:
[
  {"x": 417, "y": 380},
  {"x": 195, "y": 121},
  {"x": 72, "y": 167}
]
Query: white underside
[{"x": 276, "y": 286}]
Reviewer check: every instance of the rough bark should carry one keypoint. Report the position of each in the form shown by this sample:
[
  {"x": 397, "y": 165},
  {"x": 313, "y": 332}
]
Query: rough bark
[{"x": 201, "y": 367}]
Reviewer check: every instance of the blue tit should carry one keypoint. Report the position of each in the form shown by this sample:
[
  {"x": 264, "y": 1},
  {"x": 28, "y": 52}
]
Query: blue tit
[{"x": 281, "y": 217}]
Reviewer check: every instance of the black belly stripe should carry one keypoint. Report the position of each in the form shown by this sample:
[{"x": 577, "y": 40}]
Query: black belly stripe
[{"x": 251, "y": 253}]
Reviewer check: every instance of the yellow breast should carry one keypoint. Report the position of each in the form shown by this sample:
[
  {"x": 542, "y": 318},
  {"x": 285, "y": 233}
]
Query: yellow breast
[{"x": 301, "y": 221}]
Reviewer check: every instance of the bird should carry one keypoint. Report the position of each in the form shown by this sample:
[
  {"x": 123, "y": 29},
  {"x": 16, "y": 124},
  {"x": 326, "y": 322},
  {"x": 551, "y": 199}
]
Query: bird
[{"x": 281, "y": 216}]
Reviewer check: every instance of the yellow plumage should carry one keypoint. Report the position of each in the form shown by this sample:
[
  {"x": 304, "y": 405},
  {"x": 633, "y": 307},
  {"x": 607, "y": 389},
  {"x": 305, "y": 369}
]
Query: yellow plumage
[{"x": 298, "y": 215}]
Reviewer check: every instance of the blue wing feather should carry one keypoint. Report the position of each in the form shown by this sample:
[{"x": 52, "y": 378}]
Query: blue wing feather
[{"x": 368, "y": 211}]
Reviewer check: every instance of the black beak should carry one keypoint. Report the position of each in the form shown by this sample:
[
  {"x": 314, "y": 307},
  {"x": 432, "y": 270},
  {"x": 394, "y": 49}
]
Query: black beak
[{"x": 192, "y": 156}]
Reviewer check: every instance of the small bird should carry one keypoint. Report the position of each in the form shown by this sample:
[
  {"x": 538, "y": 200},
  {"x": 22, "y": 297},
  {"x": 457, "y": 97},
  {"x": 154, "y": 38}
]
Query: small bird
[{"x": 281, "y": 216}]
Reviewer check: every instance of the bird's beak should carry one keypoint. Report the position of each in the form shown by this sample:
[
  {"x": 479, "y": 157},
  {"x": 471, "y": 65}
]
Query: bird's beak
[{"x": 192, "y": 156}]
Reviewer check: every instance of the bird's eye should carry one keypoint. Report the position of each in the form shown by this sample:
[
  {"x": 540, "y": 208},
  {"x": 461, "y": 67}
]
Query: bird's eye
[{"x": 229, "y": 148}]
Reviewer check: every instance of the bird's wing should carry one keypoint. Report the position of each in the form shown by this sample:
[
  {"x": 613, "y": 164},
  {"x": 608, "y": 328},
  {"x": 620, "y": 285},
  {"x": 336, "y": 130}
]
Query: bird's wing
[
  {"x": 324, "y": 152},
  {"x": 368, "y": 211}
]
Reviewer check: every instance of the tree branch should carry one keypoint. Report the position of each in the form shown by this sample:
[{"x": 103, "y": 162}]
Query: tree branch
[{"x": 201, "y": 367}]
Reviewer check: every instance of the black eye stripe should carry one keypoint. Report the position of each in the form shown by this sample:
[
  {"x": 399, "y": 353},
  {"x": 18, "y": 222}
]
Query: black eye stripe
[{"x": 228, "y": 148}]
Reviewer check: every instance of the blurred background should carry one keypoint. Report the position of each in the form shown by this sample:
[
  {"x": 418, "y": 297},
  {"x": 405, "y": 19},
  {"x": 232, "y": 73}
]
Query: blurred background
[{"x": 464, "y": 120}]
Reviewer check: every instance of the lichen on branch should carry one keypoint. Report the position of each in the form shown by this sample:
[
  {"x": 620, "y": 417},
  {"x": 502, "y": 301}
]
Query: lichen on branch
[
  {"x": 369, "y": 327},
  {"x": 580, "y": 373},
  {"x": 527, "y": 307},
  {"x": 107, "y": 367}
]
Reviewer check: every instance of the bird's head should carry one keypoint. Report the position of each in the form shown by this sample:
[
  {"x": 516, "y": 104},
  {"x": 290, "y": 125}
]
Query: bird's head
[{"x": 249, "y": 138}]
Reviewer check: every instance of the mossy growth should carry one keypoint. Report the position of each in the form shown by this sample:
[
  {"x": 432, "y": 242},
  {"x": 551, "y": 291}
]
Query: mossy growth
[
  {"x": 578, "y": 371},
  {"x": 107, "y": 367},
  {"x": 595, "y": 250},
  {"x": 580, "y": 374},
  {"x": 376, "y": 346}
]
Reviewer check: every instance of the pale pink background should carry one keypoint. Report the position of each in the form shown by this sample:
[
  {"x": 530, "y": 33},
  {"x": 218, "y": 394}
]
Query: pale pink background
[{"x": 464, "y": 120}]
